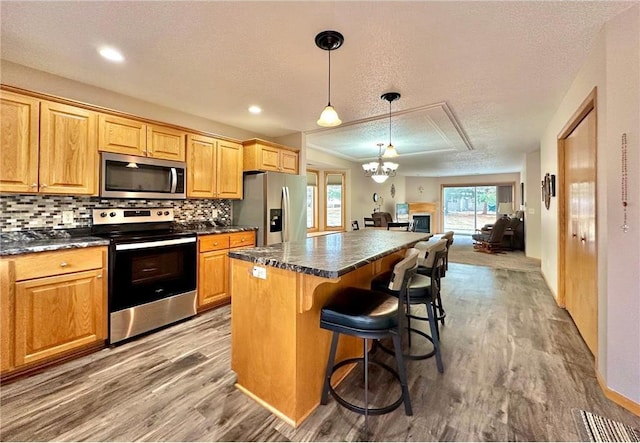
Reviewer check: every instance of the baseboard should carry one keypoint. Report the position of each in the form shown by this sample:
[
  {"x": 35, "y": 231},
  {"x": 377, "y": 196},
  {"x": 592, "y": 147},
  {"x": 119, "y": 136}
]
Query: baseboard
[{"x": 618, "y": 398}]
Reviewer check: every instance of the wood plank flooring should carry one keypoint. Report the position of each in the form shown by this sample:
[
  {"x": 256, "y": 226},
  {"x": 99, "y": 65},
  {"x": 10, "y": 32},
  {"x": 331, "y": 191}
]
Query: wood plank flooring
[{"x": 515, "y": 366}]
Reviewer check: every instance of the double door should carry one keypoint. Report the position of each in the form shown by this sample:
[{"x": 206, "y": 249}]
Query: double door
[
  {"x": 580, "y": 259},
  {"x": 214, "y": 168}
]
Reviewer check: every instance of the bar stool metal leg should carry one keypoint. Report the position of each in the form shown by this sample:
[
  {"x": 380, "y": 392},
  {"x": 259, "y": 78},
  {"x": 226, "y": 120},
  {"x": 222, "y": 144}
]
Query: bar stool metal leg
[
  {"x": 403, "y": 374},
  {"x": 433, "y": 323},
  {"x": 327, "y": 378}
]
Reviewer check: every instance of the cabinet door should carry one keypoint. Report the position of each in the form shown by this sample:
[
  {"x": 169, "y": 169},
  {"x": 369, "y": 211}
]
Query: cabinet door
[
  {"x": 289, "y": 161},
  {"x": 7, "y": 300},
  {"x": 228, "y": 170},
  {"x": 213, "y": 278},
  {"x": 19, "y": 118},
  {"x": 269, "y": 158},
  {"x": 201, "y": 166},
  {"x": 68, "y": 154},
  {"x": 121, "y": 135},
  {"x": 55, "y": 315},
  {"x": 165, "y": 143}
]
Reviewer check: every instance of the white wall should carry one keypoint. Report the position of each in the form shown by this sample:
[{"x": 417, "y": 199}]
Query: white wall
[
  {"x": 613, "y": 66},
  {"x": 27, "y": 78},
  {"x": 531, "y": 178}
]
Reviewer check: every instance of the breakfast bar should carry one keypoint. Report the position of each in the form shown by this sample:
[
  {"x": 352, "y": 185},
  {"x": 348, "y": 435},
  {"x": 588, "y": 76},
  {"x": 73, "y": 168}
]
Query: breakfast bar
[{"x": 278, "y": 350}]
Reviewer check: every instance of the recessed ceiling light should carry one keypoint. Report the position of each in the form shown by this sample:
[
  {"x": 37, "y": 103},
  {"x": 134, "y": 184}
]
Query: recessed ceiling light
[
  {"x": 255, "y": 109},
  {"x": 111, "y": 54}
]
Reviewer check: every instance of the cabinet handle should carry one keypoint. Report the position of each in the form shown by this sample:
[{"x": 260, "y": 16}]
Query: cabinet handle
[
  {"x": 215, "y": 244},
  {"x": 34, "y": 185},
  {"x": 574, "y": 235},
  {"x": 99, "y": 276},
  {"x": 583, "y": 239},
  {"x": 43, "y": 185},
  {"x": 63, "y": 264}
]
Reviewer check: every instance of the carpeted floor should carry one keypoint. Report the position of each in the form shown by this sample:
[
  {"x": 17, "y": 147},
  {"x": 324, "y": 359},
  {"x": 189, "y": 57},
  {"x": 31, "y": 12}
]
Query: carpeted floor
[
  {"x": 462, "y": 252},
  {"x": 592, "y": 427}
]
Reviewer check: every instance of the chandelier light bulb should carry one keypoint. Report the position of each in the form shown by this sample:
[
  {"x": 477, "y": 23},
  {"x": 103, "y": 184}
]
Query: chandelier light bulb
[{"x": 379, "y": 178}]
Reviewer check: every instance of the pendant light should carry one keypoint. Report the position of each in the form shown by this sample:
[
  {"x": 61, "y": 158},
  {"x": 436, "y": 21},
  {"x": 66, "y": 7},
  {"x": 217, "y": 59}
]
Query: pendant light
[
  {"x": 390, "y": 151},
  {"x": 329, "y": 41}
]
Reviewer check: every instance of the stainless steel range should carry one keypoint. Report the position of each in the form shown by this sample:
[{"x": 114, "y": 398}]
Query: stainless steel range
[{"x": 152, "y": 270}]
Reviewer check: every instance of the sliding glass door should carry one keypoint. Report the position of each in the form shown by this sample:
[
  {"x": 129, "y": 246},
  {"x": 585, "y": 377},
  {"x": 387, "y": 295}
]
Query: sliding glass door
[{"x": 467, "y": 208}]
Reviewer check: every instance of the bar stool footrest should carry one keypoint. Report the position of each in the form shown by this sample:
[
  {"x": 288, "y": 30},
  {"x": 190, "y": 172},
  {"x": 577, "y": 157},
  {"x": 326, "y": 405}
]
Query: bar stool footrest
[
  {"x": 359, "y": 409},
  {"x": 412, "y": 356}
]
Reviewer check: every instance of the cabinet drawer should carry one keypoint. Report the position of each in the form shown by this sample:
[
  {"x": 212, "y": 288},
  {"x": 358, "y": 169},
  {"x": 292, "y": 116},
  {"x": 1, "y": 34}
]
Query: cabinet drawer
[
  {"x": 246, "y": 238},
  {"x": 214, "y": 242},
  {"x": 44, "y": 264}
]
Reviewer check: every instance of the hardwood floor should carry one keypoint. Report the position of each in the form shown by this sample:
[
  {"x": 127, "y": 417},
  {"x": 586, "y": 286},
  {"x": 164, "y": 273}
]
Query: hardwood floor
[{"x": 515, "y": 366}]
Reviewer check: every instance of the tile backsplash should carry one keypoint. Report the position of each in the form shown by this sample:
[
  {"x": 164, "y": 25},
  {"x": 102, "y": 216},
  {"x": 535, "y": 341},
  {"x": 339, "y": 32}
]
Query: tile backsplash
[{"x": 20, "y": 211}]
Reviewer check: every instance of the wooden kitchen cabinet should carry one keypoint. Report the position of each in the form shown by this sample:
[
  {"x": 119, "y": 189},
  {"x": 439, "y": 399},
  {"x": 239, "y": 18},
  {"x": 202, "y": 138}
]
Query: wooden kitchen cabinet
[
  {"x": 47, "y": 147},
  {"x": 213, "y": 266},
  {"x": 20, "y": 128},
  {"x": 121, "y": 135},
  {"x": 68, "y": 154},
  {"x": 165, "y": 143},
  {"x": 134, "y": 137},
  {"x": 54, "y": 304},
  {"x": 261, "y": 155},
  {"x": 214, "y": 168}
]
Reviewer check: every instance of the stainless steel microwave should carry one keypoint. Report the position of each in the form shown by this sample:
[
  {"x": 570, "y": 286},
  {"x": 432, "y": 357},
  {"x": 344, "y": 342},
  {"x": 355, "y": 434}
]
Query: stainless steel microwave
[{"x": 128, "y": 176}]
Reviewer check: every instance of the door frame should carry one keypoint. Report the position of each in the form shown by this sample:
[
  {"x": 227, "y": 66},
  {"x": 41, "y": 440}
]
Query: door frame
[{"x": 588, "y": 105}]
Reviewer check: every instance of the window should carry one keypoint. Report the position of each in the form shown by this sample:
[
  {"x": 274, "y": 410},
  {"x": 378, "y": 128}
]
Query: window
[
  {"x": 335, "y": 198},
  {"x": 468, "y": 208},
  {"x": 312, "y": 200}
]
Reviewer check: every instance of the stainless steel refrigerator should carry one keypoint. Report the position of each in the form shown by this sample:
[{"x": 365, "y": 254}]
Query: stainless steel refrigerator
[{"x": 277, "y": 204}]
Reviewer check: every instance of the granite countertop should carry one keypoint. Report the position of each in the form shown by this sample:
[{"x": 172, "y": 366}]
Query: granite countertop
[
  {"x": 24, "y": 242},
  {"x": 28, "y": 241},
  {"x": 333, "y": 255},
  {"x": 207, "y": 227}
]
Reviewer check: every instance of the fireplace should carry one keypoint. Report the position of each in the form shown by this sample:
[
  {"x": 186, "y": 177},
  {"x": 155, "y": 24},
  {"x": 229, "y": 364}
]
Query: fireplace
[{"x": 421, "y": 222}]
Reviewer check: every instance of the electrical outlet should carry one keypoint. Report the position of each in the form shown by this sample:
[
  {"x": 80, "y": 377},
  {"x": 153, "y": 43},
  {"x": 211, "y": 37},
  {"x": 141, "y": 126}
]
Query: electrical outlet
[
  {"x": 67, "y": 217},
  {"x": 214, "y": 213},
  {"x": 260, "y": 272}
]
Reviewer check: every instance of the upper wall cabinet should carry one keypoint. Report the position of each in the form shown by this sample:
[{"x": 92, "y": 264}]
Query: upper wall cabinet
[
  {"x": 20, "y": 125},
  {"x": 47, "y": 147},
  {"x": 261, "y": 155},
  {"x": 214, "y": 168},
  {"x": 133, "y": 137}
]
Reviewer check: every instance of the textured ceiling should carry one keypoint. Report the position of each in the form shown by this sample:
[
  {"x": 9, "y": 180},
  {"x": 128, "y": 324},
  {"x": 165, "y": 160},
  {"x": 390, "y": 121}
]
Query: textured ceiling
[{"x": 500, "y": 67}]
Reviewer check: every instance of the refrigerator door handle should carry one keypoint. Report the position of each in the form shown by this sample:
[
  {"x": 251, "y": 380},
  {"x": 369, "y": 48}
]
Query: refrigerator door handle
[{"x": 286, "y": 214}]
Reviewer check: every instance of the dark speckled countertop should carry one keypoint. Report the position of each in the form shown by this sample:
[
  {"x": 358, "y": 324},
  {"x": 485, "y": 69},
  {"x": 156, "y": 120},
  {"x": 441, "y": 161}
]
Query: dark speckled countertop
[
  {"x": 29, "y": 241},
  {"x": 333, "y": 255}
]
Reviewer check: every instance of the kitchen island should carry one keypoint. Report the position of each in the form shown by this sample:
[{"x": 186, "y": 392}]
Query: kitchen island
[{"x": 278, "y": 350}]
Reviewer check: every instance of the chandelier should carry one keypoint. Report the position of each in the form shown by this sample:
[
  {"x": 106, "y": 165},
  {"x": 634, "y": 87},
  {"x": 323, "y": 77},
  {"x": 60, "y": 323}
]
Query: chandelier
[{"x": 379, "y": 171}]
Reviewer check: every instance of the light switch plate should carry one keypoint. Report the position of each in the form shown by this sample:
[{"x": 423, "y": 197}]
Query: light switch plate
[
  {"x": 214, "y": 213},
  {"x": 260, "y": 272},
  {"x": 67, "y": 217}
]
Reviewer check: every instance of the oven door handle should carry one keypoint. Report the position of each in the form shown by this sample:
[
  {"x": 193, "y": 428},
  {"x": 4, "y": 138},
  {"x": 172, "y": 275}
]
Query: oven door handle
[
  {"x": 174, "y": 180},
  {"x": 154, "y": 244}
]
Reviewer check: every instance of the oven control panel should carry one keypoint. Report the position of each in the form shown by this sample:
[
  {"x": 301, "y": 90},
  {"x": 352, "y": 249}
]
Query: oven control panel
[{"x": 109, "y": 216}]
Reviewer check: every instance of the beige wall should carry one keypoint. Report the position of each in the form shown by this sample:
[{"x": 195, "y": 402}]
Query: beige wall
[
  {"x": 613, "y": 66},
  {"x": 532, "y": 204},
  {"x": 27, "y": 78}
]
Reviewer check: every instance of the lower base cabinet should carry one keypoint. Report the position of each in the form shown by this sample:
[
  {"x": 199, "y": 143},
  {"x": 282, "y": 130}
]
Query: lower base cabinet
[
  {"x": 53, "y": 305},
  {"x": 213, "y": 266}
]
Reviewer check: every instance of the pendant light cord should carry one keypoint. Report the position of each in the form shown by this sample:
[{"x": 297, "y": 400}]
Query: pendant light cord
[
  {"x": 389, "y": 122},
  {"x": 329, "y": 98}
]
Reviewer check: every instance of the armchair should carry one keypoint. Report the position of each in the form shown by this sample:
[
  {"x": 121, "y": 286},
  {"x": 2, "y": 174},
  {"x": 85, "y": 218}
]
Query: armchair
[
  {"x": 381, "y": 218},
  {"x": 491, "y": 241}
]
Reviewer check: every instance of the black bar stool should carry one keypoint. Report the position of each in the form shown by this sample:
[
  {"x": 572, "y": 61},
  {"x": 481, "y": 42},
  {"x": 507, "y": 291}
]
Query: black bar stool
[
  {"x": 421, "y": 290},
  {"x": 370, "y": 314}
]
